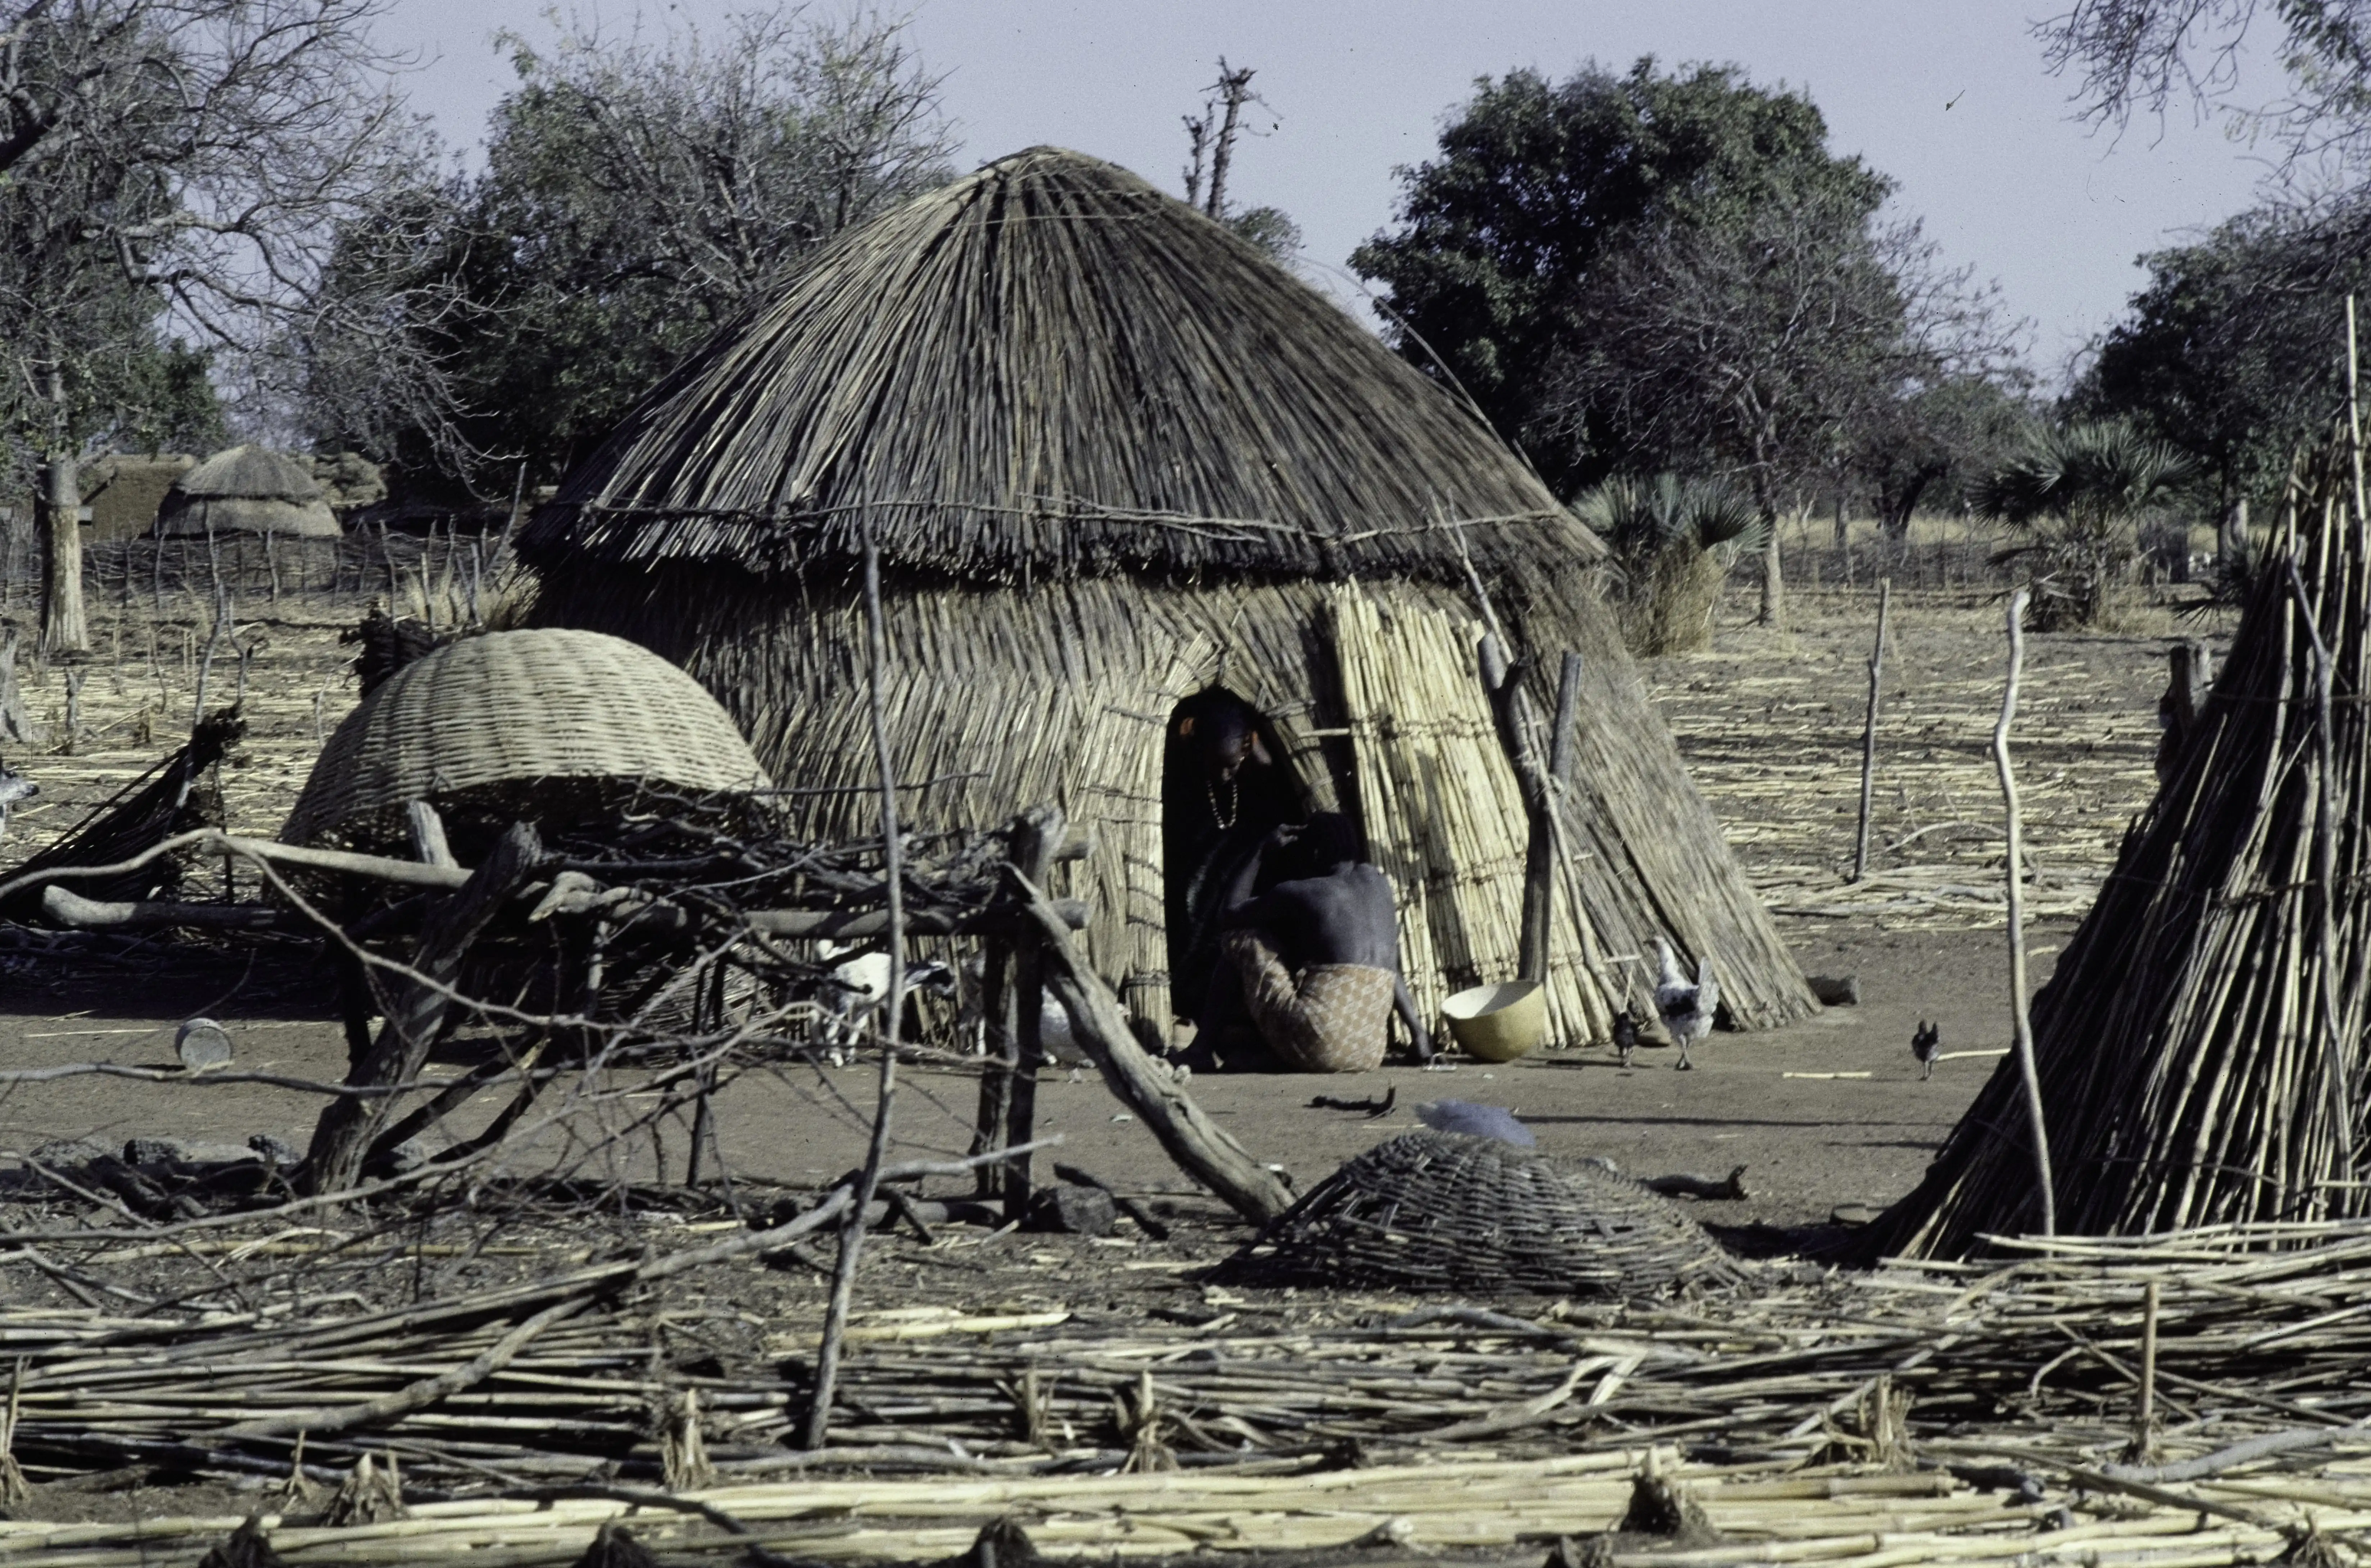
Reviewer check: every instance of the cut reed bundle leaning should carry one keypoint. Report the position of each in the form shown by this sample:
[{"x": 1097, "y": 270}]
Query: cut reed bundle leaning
[{"x": 2202, "y": 1043}]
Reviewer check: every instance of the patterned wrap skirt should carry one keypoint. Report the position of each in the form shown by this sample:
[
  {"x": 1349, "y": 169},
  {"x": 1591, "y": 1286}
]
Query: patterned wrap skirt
[{"x": 1329, "y": 1018}]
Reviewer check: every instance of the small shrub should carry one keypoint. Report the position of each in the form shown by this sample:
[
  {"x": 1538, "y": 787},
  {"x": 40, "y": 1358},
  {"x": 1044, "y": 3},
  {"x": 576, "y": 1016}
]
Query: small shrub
[{"x": 1673, "y": 541}]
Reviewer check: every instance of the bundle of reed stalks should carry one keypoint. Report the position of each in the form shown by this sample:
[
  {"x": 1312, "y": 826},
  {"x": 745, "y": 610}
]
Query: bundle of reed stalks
[{"x": 2201, "y": 1046}]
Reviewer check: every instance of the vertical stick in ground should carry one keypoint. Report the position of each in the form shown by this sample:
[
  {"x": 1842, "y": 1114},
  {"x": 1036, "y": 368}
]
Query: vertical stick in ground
[
  {"x": 2144, "y": 1419},
  {"x": 2337, "y": 1070},
  {"x": 1869, "y": 730},
  {"x": 2016, "y": 871},
  {"x": 852, "y": 1232}
]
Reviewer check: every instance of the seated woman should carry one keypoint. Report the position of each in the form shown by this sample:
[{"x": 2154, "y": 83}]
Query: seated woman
[
  {"x": 1223, "y": 787},
  {"x": 1314, "y": 961}
]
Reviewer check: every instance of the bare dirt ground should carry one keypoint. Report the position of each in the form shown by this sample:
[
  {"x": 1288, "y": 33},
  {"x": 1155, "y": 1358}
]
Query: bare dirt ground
[{"x": 1830, "y": 1113}]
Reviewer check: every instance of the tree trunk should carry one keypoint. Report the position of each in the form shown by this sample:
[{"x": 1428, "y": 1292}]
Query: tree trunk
[
  {"x": 1773, "y": 586},
  {"x": 2231, "y": 538},
  {"x": 57, "y": 520}
]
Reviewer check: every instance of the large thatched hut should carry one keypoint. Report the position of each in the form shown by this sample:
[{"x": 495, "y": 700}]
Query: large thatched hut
[
  {"x": 248, "y": 490},
  {"x": 1115, "y": 458}
]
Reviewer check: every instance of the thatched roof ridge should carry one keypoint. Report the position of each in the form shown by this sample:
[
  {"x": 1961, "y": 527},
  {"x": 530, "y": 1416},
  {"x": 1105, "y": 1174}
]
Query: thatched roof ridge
[
  {"x": 1051, "y": 368},
  {"x": 249, "y": 473}
]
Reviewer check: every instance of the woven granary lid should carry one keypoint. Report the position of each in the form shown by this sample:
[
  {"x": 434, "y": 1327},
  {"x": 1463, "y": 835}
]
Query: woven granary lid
[
  {"x": 511, "y": 711},
  {"x": 1444, "y": 1211}
]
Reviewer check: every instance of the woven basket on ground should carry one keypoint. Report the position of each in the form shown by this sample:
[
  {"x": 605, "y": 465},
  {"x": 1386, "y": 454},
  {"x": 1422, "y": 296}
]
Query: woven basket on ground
[
  {"x": 553, "y": 725},
  {"x": 1442, "y": 1211}
]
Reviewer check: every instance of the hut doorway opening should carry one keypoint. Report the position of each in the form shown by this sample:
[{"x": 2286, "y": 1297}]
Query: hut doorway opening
[{"x": 1226, "y": 783}]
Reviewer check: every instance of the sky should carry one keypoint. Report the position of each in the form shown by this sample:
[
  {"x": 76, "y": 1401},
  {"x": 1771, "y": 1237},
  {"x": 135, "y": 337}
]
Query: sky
[{"x": 1953, "y": 101}]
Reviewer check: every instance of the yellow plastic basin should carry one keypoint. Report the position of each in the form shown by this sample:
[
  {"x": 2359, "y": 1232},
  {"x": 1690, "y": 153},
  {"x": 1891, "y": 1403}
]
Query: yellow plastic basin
[{"x": 1500, "y": 1022}]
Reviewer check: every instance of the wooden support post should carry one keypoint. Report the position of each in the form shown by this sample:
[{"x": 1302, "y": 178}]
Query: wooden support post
[
  {"x": 1000, "y": 1040},
  {"x": 334, "y": 1161},
  {"x": 1036, "y": 834},
  {"x": 1541, "y": 784},
  {"x": 1869, "y": 730},
  {"x": 1201, "y": 1148},
  {"x": 2020, "y": 1016}
]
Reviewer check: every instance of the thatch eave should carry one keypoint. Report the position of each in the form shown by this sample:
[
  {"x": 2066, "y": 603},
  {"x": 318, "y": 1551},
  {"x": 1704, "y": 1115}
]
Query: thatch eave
[{"x": 1086, "y": 541}]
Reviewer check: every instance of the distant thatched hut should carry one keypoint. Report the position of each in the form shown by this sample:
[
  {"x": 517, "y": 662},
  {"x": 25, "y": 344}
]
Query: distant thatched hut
[
  {"x": 248, "y": 490},
  {"x": 1113, "y": 458}
]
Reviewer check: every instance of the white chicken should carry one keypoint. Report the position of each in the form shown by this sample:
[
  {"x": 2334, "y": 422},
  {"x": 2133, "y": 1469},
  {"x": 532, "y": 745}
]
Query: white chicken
[
  {"x": 1687, "y": 1009},
  {"x": 855, "y": 992},
  {"x": 14, "y": 787}
]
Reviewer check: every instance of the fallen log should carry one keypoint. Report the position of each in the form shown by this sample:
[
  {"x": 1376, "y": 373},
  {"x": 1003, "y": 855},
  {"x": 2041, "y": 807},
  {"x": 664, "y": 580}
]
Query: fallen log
[{"x": 72, "y": 909}]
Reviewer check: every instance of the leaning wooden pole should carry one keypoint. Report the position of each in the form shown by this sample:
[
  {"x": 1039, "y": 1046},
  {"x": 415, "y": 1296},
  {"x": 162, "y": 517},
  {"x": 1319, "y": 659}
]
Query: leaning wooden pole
[
  {"x": 1869, "y": 730},
  {"x": 1201, "y": 1148},
  {"x": 851, "y": 1230},
  {"x": 2019, "y": 1015}
]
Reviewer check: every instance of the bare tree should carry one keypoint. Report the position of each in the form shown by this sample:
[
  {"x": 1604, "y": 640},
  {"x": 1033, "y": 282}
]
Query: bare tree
[
  {"x": 187, "y": 158},
  {"x": 718, "y": 166},
  {"x": 1210, "y": 139},
  {"x": 1758, "y": 347},
  {"x": 639, "y": 191},
  {"x": 2147, "y": 55}
]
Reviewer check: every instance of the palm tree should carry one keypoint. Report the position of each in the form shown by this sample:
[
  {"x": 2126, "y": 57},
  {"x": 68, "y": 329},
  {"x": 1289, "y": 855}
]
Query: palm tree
[
  {"x": 1674, "y": 539},
  {"x": 2081, "y": 490}
]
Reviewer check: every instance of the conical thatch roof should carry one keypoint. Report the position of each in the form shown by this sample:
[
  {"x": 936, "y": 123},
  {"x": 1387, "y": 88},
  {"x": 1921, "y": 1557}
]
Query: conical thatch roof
[
  {"x": 1047, "y": 367},
  {"x": 250, "y": 489},
  {"x": 2201, "y": 1046}
]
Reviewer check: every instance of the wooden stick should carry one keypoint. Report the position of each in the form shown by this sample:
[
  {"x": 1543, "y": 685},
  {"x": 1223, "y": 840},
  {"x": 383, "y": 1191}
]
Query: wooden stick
[
  {"x": 1033, "y": 837},
  {"x": 348, "y": 1124},
  {"x": 2336, "y": 1070},
  {"x": 1201, "y": 1148},
  {"x": 1543, "y": 850},
  {"x": 852, "y": 1232},
  {"x": 1869, "y": 730},
  {"x": 105, "y": 914},
  {"x": 2145, "y": 1424},
  {"x": 2017, "y": 972}
]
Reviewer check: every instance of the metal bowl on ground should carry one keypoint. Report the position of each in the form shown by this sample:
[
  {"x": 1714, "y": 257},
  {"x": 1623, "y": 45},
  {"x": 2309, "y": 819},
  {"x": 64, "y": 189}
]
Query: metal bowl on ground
[{"x": 1499, "y": 1022}]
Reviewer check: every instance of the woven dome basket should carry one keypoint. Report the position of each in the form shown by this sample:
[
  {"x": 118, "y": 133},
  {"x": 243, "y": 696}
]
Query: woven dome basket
[
  {"x": 1442, "y": 1211},
  {"x": 551, "y": 722}
]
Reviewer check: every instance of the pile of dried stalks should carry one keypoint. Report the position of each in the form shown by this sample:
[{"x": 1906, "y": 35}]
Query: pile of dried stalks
[{"x": 1959, "y": 1413}]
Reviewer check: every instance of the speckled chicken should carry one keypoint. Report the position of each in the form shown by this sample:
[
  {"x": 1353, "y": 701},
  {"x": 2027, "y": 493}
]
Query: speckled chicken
[{"x": 1687, "y": 1009}]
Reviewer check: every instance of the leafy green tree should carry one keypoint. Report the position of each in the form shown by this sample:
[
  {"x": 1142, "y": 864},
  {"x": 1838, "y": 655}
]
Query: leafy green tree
[
  {"x": 1497, "y": 268},
  {"x": 2235, "y": 351},
  {"x": 637, "y": 196}
]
